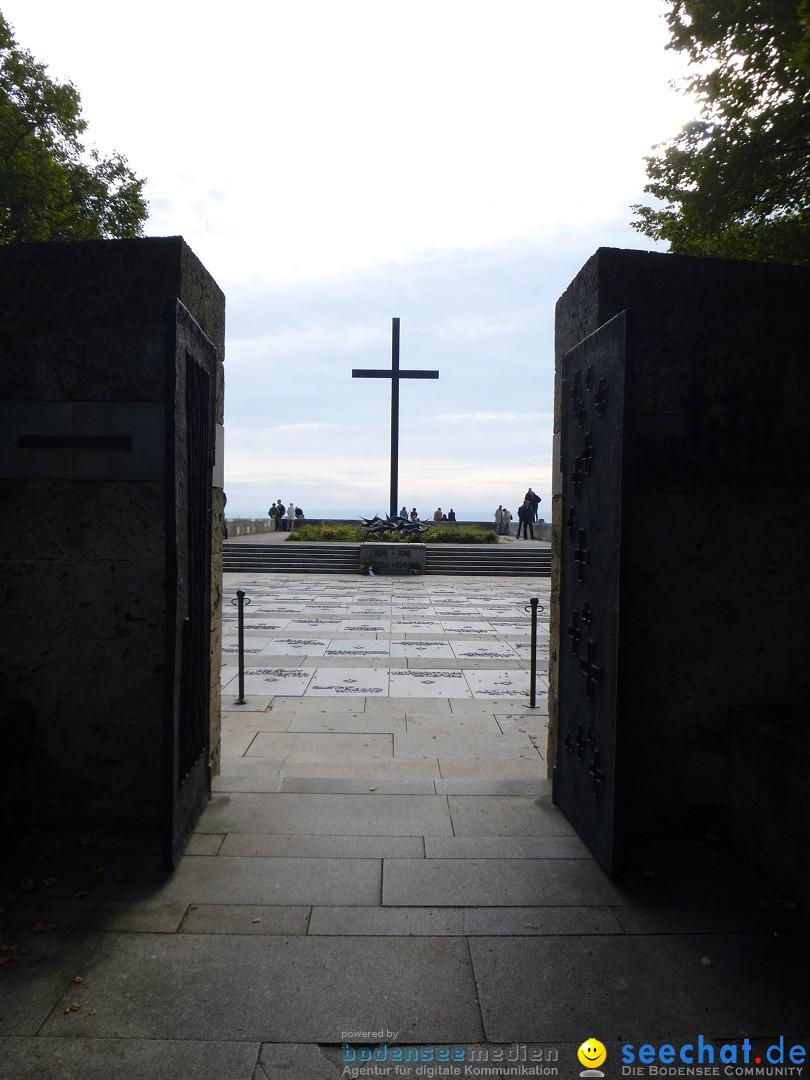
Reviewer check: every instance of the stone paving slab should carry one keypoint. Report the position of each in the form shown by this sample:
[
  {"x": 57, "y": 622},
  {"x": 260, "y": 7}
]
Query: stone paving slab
[
  {"x": 291, "y": 1061},
  {"x": 523, "y": 722},
  {"x": 502, "y": 683},
  {"x": 251, "y": 721},
  {"x": 755, "y": 985},
  {"x": 323, "y": 847},
  {"x": 348, "y": 723},
  {"x": 134, "y": 1059},
  {"x": 33, "y": 984},
  {"x": 291, "y": 707},
  {"x": 252, "y": 644},
  {"x": 428, "y": 682},
  {"x": 256, "y": 625},
  {"x": 358, "y": 682},
  {"x": 275, "y": 989},
  {"x": 447, "y": 726},
  {"x": 540, "y": 921},
  {"x": 255, "y": 880},
  {"x": 426, "y": 707},
  {"x": 204, "y": 844},
  {"x": 496, "y": 883},
  {"x": 460, "y": 768},
  {"x": 416, "y": 627},
  {"x": 258, "y": 785},
  {"x": 313, "y": 627},
  {"x": 376, "y": 922},
  {"x": 505, "y": 815},
  {"x": 296, "y": 646},
  {"x": 505, "y": 847},
  {"x": 343, "y": 815},
  {"x": 483, "y": 650},
  {"x": 464, "y": 665},
  {"x": 336, "y": 786},
  {"x": 88, "y": 915},
  {"x": 523, "y": 787},
  {"x": 425, "y": 744},
  {"x": 365, "y": 626},
  {"x": 252, "y": 702},
  {"x": 412, "y": 768},
  {"x": 274, "y": 680},
  {"x": 321, "y": 746},
  {"x": 415, "y": 650},
  {"x": 234, "y": 766},
  {"x": 360, "y": 647},
  {"x": 705, "y": 919},
  {"x": 251, "y": 919},
  {"x": 239, "y": 741}
]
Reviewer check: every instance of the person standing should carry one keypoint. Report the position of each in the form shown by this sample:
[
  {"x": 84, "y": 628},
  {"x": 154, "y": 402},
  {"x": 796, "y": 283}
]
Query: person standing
[
  {"x": 291, "y": 517},
  {"x": 525, "y": 519},
  {"x": 506, "y": 518},
  {"x": 499, "y": 520},
  {"x": 534, "y": 502}
]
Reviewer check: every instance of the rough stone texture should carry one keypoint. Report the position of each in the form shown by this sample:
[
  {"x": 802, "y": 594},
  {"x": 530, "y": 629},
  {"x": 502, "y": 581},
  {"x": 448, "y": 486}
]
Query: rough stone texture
[
  {"x": 85, "y": 561},
  {"x": 750, "y": 986},
  {"x": 137, "y": 1059},
  {"x": 770, "y": 757},
  {"x": 279, "y": 989},
  {"x": 718, "y": 518}
]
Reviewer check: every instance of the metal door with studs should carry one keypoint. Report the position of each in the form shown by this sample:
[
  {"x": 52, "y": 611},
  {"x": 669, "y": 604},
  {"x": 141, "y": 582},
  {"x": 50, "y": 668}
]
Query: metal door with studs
[{"x": 592, "y": 463}]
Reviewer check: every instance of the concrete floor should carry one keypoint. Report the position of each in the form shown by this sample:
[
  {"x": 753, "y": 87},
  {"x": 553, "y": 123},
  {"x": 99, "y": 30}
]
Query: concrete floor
[{"x": 381, "y": 867}]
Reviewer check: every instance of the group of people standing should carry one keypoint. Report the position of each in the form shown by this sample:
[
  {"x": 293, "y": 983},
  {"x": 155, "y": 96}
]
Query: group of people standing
[
  {"x": 438, "y": 515},
  {"x": 285, "y": 519},
  {"x": 527, "y": 515}
]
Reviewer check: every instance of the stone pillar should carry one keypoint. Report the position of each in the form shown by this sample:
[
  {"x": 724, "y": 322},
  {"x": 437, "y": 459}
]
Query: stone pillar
[
  {"x": 714, "y": 528},
  {"x": 90, "y": 537}
]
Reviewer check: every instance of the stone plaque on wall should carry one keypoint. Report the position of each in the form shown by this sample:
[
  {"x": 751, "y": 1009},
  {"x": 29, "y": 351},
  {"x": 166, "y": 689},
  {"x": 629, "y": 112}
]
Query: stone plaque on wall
[{"x": 393, "y": 558}]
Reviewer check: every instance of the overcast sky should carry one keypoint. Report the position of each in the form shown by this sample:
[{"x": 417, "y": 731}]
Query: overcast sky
[{"x": 335, "y": 163}]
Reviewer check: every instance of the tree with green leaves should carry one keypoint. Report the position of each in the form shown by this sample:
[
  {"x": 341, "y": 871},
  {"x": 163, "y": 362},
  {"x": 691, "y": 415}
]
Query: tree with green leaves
[
  {"x": 51, "y": 186},
  {"x": 736, "y": 182}
]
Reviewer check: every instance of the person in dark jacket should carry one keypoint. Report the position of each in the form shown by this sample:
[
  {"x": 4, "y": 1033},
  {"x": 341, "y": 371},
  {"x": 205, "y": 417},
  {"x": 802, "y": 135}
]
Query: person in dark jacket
[
  {"x": 534, "y": 503},
  {"x": 525, "y": 519}
]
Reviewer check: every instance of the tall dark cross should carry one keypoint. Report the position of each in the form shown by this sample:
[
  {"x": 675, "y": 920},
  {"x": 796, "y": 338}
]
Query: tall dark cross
[{"x": 394, "y": 375}]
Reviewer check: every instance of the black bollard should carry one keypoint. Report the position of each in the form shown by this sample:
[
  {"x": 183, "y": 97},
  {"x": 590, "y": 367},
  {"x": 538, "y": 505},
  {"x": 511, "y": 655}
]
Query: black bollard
[
  {"x": 533, "y": 602},
  {"x": 240, "y": 601}
]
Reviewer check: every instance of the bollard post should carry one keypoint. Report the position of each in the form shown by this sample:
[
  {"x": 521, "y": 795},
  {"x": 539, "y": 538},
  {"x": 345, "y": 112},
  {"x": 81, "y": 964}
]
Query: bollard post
[
  {"x": 533, "y": 602},
  {"x": 240, "y": 602}
]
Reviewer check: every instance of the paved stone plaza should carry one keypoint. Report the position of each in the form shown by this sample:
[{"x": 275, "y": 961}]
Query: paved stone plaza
[{"x": 380, "y": 862}]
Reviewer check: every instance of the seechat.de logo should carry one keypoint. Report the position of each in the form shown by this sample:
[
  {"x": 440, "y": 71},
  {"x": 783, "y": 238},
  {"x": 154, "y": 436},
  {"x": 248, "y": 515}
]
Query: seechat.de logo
[{"x": 592, "y": 1054}]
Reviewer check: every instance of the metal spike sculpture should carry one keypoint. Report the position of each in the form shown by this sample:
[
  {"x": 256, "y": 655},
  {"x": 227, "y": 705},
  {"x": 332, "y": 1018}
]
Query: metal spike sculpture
[{"x": 377, "y": 527}]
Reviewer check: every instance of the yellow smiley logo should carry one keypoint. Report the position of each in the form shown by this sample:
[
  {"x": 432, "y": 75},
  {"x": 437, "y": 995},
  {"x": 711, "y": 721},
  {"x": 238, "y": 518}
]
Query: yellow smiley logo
[{"x": 592, "y": 1054}]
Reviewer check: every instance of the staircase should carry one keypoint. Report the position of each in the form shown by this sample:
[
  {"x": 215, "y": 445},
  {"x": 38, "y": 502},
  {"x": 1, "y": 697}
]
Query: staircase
[
  {"x": 295, "y": 558},
  {"x": 468, "y": 560},
  {"x": 501, "y": 560}
]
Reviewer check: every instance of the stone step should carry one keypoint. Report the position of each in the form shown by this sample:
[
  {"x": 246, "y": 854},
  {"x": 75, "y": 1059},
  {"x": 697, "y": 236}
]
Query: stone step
[
  {"x": 502, "y": 561},
  {"x": 455, "y": 560}
]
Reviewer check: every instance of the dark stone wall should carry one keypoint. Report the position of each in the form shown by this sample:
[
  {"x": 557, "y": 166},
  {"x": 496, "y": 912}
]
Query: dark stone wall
[
  {"x": 718, "y": 517},
  {"x": 84, "y": 332}
]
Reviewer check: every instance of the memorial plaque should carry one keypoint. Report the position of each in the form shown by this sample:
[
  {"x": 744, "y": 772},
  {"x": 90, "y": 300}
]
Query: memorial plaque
[{"x": 393, "y": 558}]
